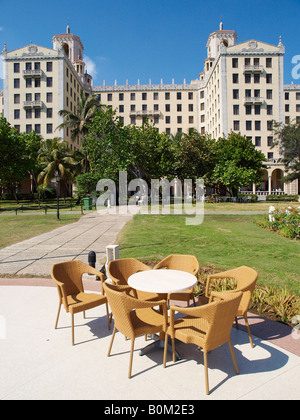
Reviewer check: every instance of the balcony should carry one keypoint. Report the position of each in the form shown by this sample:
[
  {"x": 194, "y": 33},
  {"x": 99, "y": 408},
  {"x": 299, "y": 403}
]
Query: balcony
[
  {"x": 144, "y": 113},
  {"x": 253, "y": 69},
  {"x": 32, "y": 73},
  {"x": 32, "y": 104},
  {"x": 253, "y": 100}
]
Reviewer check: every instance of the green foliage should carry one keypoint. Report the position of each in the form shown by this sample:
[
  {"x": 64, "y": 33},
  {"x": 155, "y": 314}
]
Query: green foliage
[
  {"x": 238, "y": 163},
  {"x": 288, "y": 140},
  {"x": 284, "y": 222}
]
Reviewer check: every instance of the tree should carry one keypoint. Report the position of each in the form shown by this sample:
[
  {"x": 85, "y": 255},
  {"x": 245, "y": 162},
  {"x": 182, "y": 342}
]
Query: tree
[
  {"x": 238, "y": 163},
  {"x": 54, "y": 156},
  {"x": 79, "y": 121},
  {"x": 18, "y": 155},
  {"x": 287, "y": 137}
]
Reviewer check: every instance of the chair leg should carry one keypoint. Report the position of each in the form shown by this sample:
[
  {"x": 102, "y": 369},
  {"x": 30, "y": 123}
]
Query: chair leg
[
  {"x": 57, "y": 316},
  {"x": 111, "y": 341},
  {"x": 131, "y": 357},
  {"x": 165, "y": 349},
  {"x": 173, "y": 350},
  {"x": 248, "y": 329},
  {"x": 236, "y": 323},
  {"x": 108, "y": 316},
  {"x": 233, "y": 356},
  {"x": 206, "y": 371},
  {"x": 72, "y": 316}
]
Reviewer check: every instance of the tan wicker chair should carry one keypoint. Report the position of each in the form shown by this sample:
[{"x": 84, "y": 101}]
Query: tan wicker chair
[
  {"x": 188, "y": 263},
  {"x": 134, "y": 317},
  {"x": 208, "y": 326},
  {"x": 120, "y": 270},
  {"x": 246, "y": 279},
  {"x": 68, "y": 278}
]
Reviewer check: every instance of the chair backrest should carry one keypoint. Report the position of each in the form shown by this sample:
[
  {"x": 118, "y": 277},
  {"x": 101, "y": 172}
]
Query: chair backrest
[
  {"x": 188, "y": 263},
  {"x": 246, "y": 279},
  {"x": 119, "y": 270},
  {"x": 221, "y": 315},
  {"x": 70, "y": 274},
  {"x": 121, "y": 305}
]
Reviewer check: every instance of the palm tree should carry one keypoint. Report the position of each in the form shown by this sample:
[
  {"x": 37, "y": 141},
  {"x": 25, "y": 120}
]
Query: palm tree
[
  {"x": 55, "y": 156},
  {"x": 78, "y": 122}
]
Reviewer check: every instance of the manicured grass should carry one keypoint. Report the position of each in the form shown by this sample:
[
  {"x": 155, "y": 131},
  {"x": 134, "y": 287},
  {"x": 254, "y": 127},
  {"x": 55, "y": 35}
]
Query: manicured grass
[
  {"x": 221, "y": 241},
  {"x": 14, "y": 229}
]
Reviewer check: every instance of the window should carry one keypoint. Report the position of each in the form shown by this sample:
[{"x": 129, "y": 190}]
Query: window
[
  {"x": 28, "y": 97},
  {"x": 270, "y": 155},
  {"x": 247, "y": 78},
  {"x": 28, "y": 113},
  {"x": 132, "y": 120},
  {"x": 235, "y": 94},
  {"x": 179, "y": 95},
  {"x": 248, "y": 125},
  {"x": 37, "y": 82},
  {"x": 132, "y": 107},
  {"x": 109, "y": 97},
  {"x": 28, "y": 128},
  {"x": 49, "y": 112},
  {"x": 155, "y": 96},
  {"x": 247, "y": 61},
  {"x": 17, "y": 98},
  {"x": 16, "y": 67},
  {"x": 256, "y": 78},
  {"x": 16, "y": 114},
  {"x": 269, "y": 93},
  {"x": 257, "y": 141},
  {"x": 297, "y": 96},
  {"x": 37, "y": 66},
  {"x": 235, "y": 78},
  {"x": 235, "y": 63},
  {"x": 191, "y": 107},
  {"x": 257, "y": 125},
  {"x": 191, "y": 119},
  {"x": 168, "y": 108},
  {"x": 37, "y": 113},
  {"x": 49, "y": 81},
  {"x": 49, "y": 97},
  {"x": 287, "y": 108},
  {"x": 28, "y": 66},
  {"x": 270, "y": 109},
  {"x": 121, "y": 108},
  {"x": 287, "y": 96},
  {"x": 256, "y": 61},
  {"x": 191, "y": 95},
  {"x": 269, "y": 78},
  {"x": 268, "y": 62},
  {"x": 179, "y": 107},
  {"x": 144, "y": 96},
  {"x": 270, "y": 125},
  {"x": 49, "y": 66},
  {"x": 49, "y": 128},
  {"x": 28, "y": 82},
  {"x": 167, "y": 95},
  {"x": 257, "y": 109},
  {"x": 270, "y": 141},
  {"x": 132, "y": 97},
  {"x": 121, "y": 96},
  {"x": 179, "y": 119},
  {"x": 248, "y": 109},
  {"x": 168, "y": 120},
  {"x": 37, "y": 128},
  {"x": 236, "y": 109},
  {"x": 236, "y": 125}
]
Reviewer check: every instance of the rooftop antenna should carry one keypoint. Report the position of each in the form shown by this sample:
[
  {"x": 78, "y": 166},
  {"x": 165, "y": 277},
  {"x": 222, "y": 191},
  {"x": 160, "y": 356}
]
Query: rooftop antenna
[
  {"x": 68, "y": 25},
  {"x": 221, "y": 23}
]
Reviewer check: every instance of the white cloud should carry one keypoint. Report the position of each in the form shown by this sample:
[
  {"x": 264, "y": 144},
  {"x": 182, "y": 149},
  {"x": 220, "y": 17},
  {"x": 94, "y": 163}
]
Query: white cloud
[{"x": 90, "y": 66}]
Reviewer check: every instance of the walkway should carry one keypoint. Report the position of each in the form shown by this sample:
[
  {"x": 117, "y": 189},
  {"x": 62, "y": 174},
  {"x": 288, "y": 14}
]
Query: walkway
[{"x": 35, "y": 256}]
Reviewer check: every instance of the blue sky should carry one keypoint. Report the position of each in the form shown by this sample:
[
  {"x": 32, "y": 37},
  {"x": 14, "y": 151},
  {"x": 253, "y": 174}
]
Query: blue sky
[{"x": 150, "y": 39}]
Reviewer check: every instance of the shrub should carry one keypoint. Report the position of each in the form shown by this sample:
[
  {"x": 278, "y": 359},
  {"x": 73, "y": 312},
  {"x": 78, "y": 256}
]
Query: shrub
[{"x": 285, "y": 222}]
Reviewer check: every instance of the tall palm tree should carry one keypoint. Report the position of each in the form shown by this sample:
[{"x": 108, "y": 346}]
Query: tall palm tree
[
  {"x": 78, "y": 122},
  {"x": 55, "y": 156}
]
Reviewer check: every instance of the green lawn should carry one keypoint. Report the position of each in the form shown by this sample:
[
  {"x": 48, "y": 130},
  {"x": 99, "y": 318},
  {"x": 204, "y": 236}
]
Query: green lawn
[
  {"x": 222, "y": 241},
  {"x": 14, "y": 229}
]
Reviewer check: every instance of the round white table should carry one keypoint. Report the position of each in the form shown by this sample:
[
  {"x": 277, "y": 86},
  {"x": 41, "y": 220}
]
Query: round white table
[{"x": 161, "y": 281}]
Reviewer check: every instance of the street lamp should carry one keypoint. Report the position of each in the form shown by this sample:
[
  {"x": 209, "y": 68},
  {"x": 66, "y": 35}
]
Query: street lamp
[{"x": 57, "y": 178}]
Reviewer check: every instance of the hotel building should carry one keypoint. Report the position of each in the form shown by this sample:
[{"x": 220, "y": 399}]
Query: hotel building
[{"x": 240, "y": 89}]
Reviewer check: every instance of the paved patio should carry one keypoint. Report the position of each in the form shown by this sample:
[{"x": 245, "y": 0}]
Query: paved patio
[{"x": 38, "y": 362}]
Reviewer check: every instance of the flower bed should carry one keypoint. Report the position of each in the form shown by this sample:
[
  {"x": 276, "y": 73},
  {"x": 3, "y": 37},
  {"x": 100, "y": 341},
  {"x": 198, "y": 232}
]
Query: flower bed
[{"x": 285, "y": 222}]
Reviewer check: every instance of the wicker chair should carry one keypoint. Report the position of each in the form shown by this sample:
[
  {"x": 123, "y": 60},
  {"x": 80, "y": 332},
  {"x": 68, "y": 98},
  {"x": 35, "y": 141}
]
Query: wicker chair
[
  {"x": 134, "y": 317},
  {"x": 118, "y": 271},
  {"x": 208, "y": 326},
  {"x": 188, "y": 263},
  {"x": 68, "y": 279},
  {"x": 246, "y": 279}
]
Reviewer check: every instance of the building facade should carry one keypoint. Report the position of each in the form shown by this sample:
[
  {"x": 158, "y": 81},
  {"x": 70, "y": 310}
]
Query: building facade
[{"x": 240, "y": 89}]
